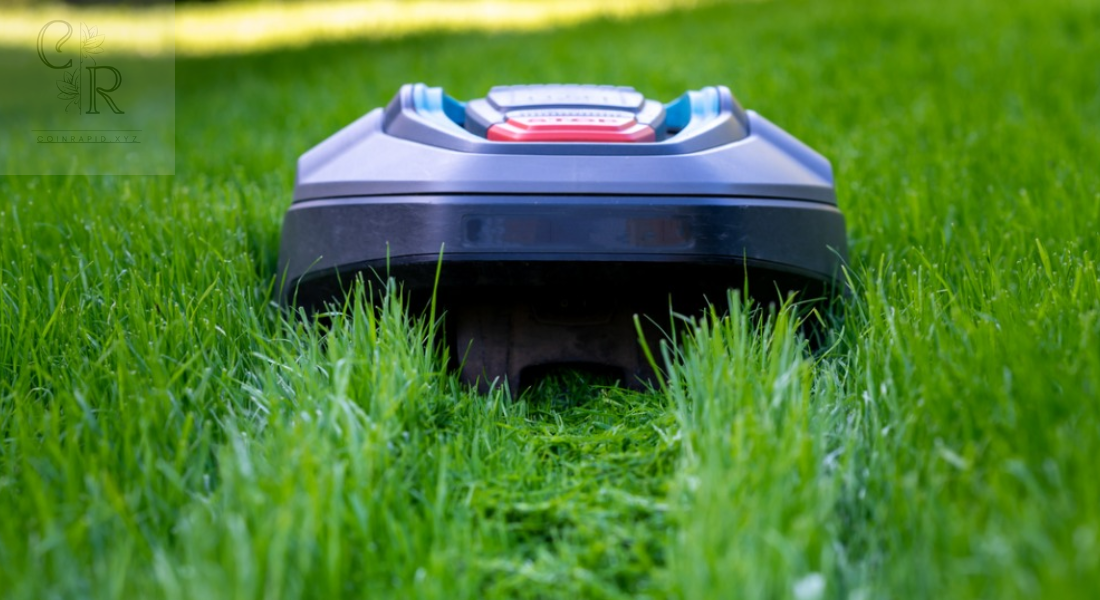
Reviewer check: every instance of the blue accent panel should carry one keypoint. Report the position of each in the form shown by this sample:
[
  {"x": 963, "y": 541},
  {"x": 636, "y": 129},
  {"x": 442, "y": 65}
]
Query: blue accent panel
[
  {"x": 705, "y": 104},
  {"x": 431, "y": 103},
  {"x": 692, "y": 109},
  {"x": 678, "y": 112},
  {"x": 455, "y": 110}
]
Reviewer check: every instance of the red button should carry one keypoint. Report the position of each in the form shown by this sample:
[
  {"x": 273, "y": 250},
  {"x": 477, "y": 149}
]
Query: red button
[{"x": 571, "y": 128}]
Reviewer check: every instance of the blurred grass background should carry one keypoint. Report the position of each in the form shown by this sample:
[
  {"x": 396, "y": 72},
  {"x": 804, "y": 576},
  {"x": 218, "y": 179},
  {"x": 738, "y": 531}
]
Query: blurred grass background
[
  {"x": 202, "y": 27},
  {"x": 165, "y": 431}
]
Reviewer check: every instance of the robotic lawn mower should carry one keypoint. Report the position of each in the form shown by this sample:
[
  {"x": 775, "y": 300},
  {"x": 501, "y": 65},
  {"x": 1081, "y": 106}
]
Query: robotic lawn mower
[{"x": 561, "y": 212}]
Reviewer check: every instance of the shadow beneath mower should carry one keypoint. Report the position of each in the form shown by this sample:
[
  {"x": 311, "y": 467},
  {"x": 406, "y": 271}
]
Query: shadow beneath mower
[{"x": 516, "y": 322}]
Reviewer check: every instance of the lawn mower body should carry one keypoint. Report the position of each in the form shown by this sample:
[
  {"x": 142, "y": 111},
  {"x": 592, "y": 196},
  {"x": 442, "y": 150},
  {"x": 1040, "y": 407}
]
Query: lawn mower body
[{"x": 555, "y": 213}]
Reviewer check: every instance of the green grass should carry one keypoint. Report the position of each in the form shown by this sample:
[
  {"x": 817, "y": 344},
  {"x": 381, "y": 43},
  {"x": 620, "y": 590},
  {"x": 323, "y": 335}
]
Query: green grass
[{"x": 167, "y": 432}]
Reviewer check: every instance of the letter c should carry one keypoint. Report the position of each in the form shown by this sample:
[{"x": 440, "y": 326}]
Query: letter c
[{"x": 57, "y": 47}]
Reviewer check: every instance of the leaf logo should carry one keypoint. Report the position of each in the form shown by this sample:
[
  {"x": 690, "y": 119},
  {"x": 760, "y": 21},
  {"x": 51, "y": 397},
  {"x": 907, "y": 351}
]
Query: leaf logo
[
  {"x": 91, "y": 43},
  {"x": 69, "y": 87}
]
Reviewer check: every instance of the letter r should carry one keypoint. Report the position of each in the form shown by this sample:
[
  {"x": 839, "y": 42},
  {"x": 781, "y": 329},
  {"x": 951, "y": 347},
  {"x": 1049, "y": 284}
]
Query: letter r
[{"x": 101, "y": 91}]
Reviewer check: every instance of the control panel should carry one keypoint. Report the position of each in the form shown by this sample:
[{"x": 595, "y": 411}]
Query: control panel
[
  {"x": 565, "y": 113},
  {"x": 567, "y": 118}
]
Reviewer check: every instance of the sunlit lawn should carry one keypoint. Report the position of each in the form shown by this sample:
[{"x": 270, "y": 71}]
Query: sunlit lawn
[{"x": 167, "y": 432}]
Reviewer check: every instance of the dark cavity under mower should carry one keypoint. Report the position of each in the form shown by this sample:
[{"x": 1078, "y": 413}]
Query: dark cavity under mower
[{"x": 562, "y": 211}]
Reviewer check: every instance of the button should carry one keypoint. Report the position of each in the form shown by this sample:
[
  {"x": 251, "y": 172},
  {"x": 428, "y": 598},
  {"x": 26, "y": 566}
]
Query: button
[{"x": 563, "y": 127}]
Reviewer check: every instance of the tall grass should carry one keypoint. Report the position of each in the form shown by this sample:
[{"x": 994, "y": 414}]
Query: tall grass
[{"x": 167, "y": 431}]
